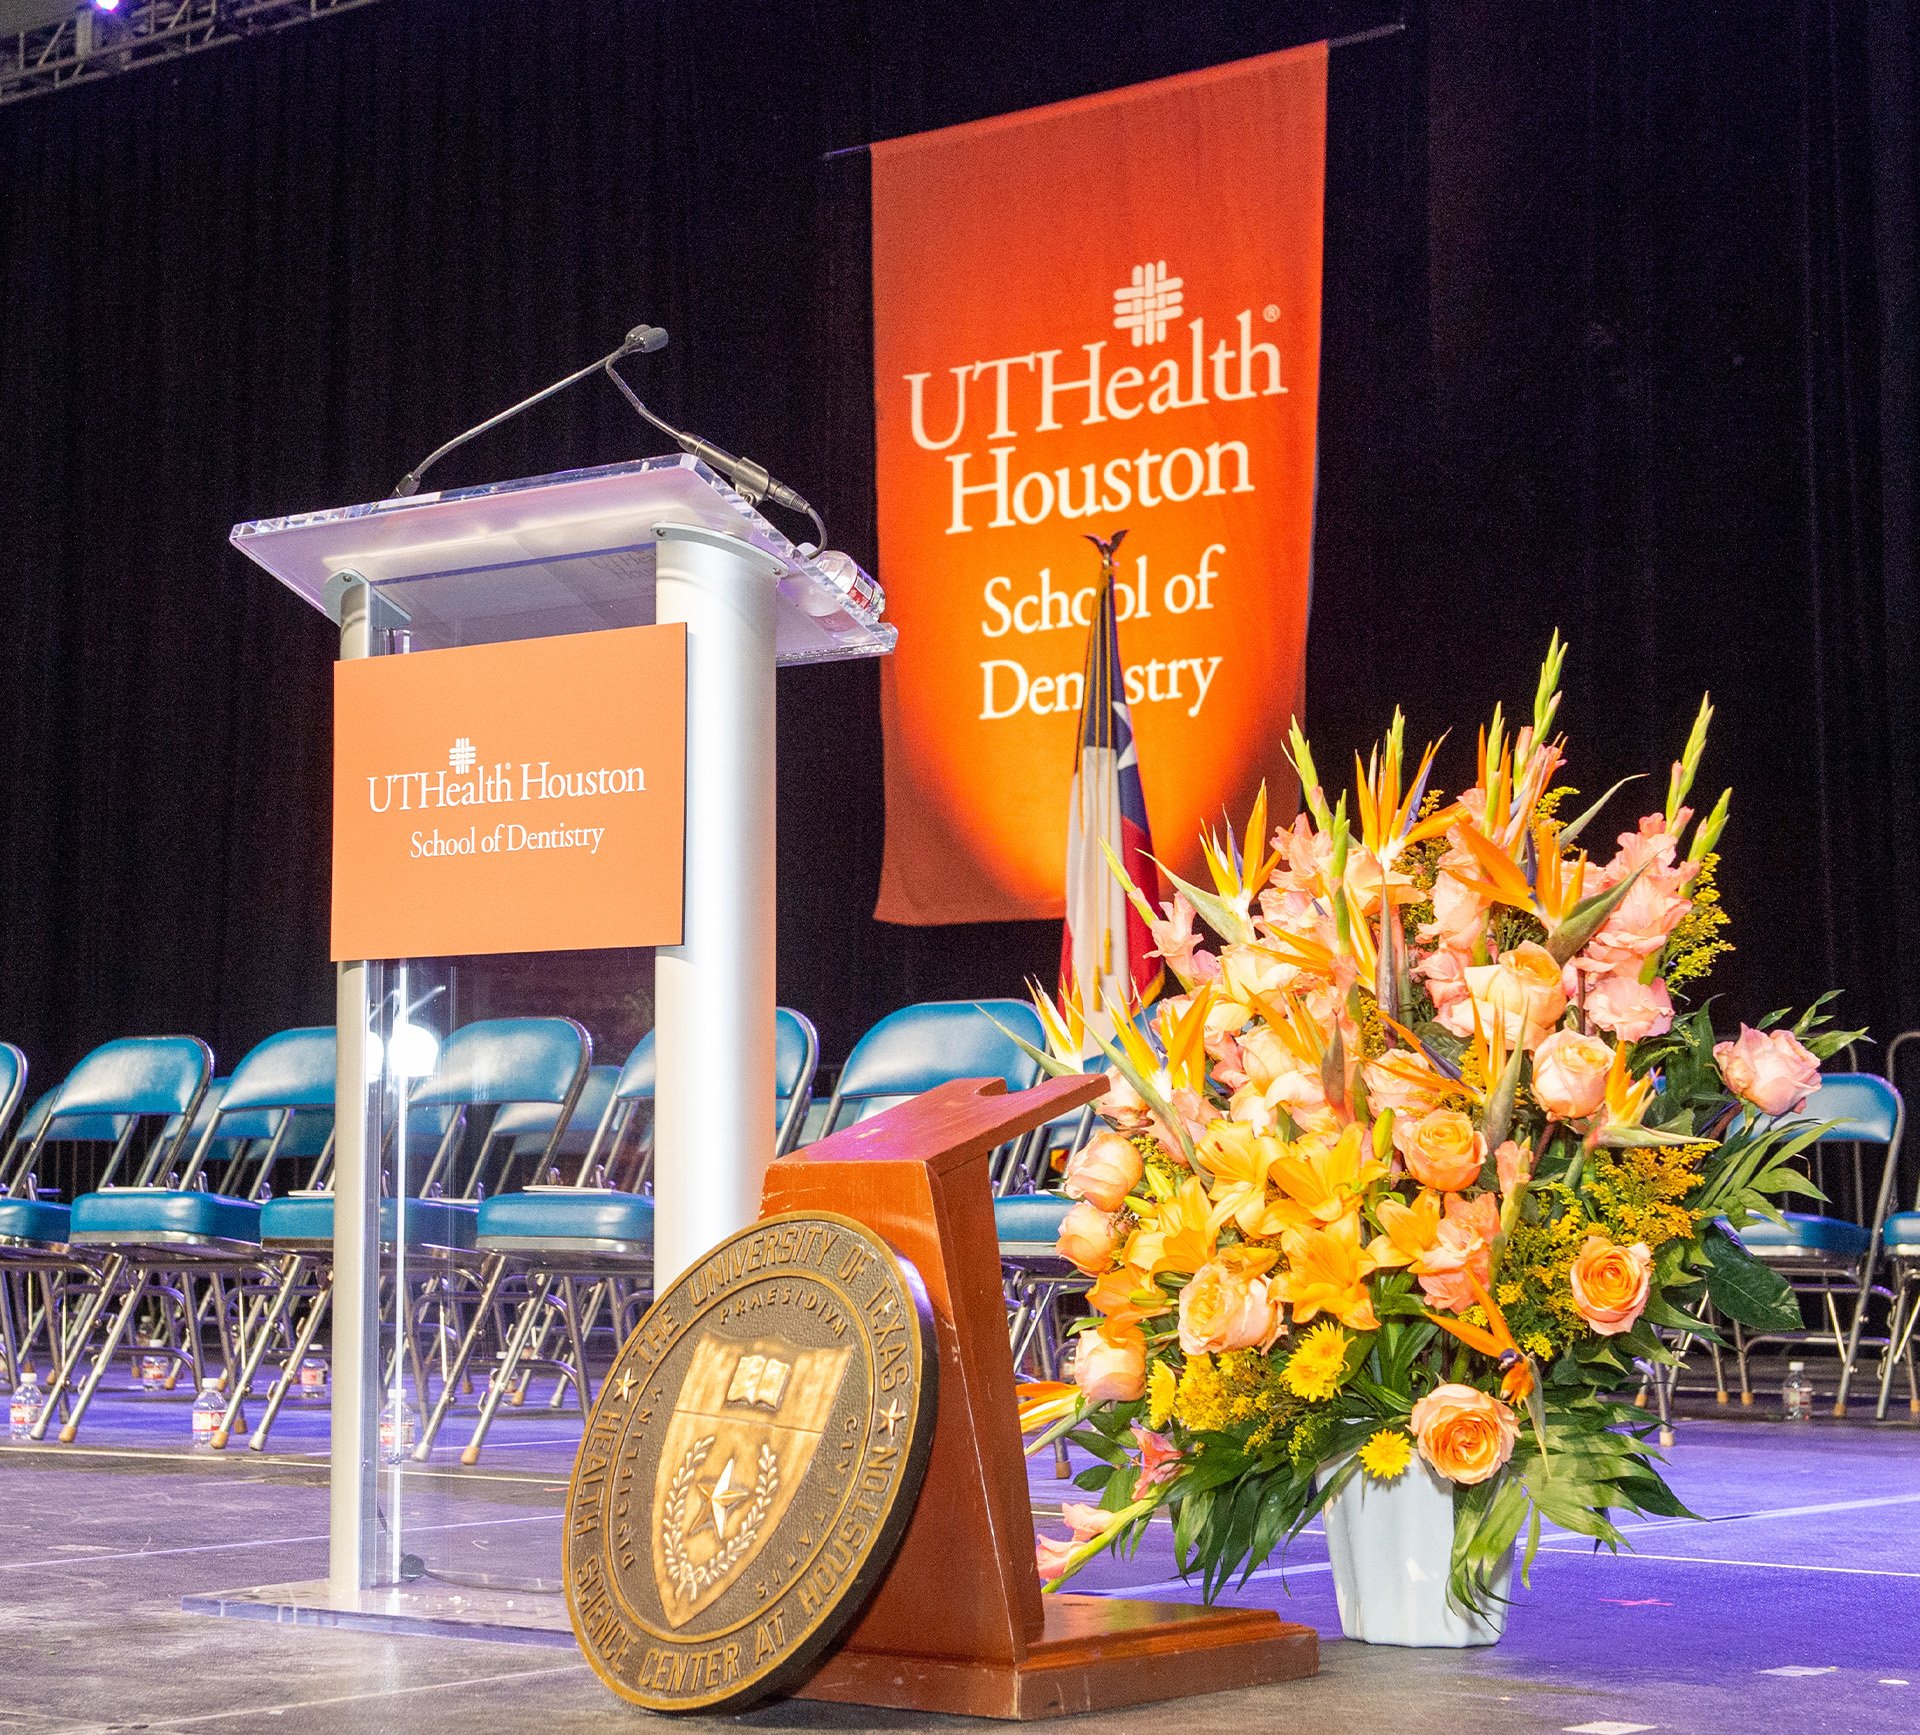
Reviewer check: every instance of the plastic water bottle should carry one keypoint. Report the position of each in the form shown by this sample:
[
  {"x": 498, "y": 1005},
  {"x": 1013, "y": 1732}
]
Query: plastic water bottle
[
  {"x": 25, "y": 1408},
  {"x": 207, "y": 1411},
  {"x": 153, "y": 1372},
  {"x": 313, "y": 1378},
  {"x": 399, "y": 1428},
  {"x": 1797, "y": 1394}
]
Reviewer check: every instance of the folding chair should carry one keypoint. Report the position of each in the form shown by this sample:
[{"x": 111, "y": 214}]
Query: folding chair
[
  {"x": 1833, "y": 1257},
  {"x": 33, "y": 1229},
  {"x": 123, "y": 1084},
  {"x": 506, "y": 1065},
  {"x": 598, "y": 1231}
]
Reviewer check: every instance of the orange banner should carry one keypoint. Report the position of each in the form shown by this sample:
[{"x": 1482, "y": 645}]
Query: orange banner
[
  {"x": 1103, "y": 314},
  {"x": 519, "y": 797}
]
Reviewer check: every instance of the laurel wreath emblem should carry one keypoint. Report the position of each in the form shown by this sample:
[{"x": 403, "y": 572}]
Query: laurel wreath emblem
[{"x": 688, "y": 1579}]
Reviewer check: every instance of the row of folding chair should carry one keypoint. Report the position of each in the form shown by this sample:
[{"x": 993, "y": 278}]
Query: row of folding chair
[{"x": 527, "y": 1236}]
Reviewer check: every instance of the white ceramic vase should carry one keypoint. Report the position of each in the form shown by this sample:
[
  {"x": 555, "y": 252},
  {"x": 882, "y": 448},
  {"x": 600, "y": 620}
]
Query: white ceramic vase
[{"x": 1392, "y": 1544}]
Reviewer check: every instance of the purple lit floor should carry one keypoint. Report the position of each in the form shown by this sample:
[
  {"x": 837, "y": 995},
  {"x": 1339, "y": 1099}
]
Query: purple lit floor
[{"x": 1796, "y": 1606}]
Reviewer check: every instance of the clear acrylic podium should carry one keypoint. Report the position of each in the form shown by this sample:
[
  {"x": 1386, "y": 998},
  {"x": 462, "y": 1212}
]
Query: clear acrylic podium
[{"x": 661, "y": 540}]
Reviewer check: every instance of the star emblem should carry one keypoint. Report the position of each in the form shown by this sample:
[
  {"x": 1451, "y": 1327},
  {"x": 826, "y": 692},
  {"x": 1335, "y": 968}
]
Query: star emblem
[
  {"x": 718, "y": 1498},
  {"x": 893, "y": 1416},
  {"x": 626, "y": 1385}
]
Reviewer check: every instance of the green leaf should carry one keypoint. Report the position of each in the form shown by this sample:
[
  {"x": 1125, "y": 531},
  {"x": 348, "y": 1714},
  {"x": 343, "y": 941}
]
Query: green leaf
[
  {"x": 1587, "y": 918},
  {"x": 1747, "y": 1291}
]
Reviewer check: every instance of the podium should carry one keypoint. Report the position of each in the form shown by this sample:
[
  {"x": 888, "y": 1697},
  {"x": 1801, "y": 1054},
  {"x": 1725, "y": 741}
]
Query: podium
[{"x": 663, "y": 540}]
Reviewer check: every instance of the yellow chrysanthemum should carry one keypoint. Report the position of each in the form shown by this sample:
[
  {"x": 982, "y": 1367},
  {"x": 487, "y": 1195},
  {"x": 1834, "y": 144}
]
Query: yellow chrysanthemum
[
  {"x": 1162, "y": 1389},
  {"x": 1386, "y": 1454},
  {"x": 1317, "y": 1366}
]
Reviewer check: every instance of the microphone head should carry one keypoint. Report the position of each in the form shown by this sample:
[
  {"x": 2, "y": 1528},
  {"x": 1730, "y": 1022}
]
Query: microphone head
[{"x": 644, "y": 340}]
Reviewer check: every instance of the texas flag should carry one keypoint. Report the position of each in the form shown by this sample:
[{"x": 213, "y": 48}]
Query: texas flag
[{"x": 1104, "y": 952}]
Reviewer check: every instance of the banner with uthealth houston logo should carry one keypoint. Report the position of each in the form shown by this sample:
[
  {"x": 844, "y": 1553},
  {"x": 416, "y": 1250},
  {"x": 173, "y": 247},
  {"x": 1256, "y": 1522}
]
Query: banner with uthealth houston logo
[
  {"x": 1099, "y": 315},
  {"x": 518, "y": 797}
]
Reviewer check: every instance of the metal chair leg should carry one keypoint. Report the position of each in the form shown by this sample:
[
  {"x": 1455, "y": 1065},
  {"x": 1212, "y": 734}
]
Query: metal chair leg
[
  {"x": 496, "y": 1271},
  {"x": 272, "y": 1310},
  {"x": 95, "y": 1373},
  {"x": 69, "y": 1350},
  {"x": 509, "y": 1355},
  {"x": 277, "y": 1393}
]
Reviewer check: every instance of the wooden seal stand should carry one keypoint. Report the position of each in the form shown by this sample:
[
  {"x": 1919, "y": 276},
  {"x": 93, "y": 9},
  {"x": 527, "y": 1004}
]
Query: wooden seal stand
[{"x": 959, "y": 1624}]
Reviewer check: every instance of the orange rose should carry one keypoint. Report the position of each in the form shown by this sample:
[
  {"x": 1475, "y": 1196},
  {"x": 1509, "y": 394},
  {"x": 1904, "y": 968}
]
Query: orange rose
[
  {"x": 1570, "y": 1074},
  {"x": 1103, "y": 1171},
  {"x": 1610, "y": 1284},
  {"x": 1523, "y": 992},
  {"x": 1110, "y": 1364},
  {"x": 1442, "y": 1149},
  {"x": 1463, "y": 1433},
  {"x": 1087, "y": 1238},
  {"x": 1223, "y": 1308}
]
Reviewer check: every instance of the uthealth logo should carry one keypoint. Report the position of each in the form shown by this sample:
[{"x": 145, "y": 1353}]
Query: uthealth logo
[
  {"x": 1002, "y": 401},
  {"x": 462, "y": 785}
]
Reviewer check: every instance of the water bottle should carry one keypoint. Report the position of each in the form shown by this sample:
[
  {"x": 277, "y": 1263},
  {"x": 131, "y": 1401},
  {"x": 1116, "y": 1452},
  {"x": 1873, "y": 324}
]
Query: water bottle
[
  {"x": 313, "y": 1379},
  {"x": 25, "y": 1408},
  {"x": 399, "y": 1428},
  {"x": 1797, "y": 1394},
  {"x": 207, "y": 1411},
  {"x": 153, "y": 1372}
]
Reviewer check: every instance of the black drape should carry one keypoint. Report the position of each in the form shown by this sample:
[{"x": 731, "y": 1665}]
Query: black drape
[{"x": 1619, "y": 337}]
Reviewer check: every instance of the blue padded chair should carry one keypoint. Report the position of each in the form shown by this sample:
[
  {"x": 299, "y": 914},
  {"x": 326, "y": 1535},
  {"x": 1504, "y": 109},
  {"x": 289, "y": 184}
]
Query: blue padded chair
[
  {"x": 33, "y": 1225},
  {"x": 1833, "y": 1257},
  {"x": 118, "y": 1090},
  {"x": 599, "y": 1230},
  {"x": 1900, "y": 1243},
  {"x": 528, "y": 1072},
  {"x": 13, "y": 1084},
  {"x": 186, "y": 1229}
]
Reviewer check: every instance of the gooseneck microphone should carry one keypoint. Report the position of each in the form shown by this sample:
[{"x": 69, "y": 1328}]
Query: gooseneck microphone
[
  {"x": 642, "y": 340},
  {"x": 750, "y": 478}
]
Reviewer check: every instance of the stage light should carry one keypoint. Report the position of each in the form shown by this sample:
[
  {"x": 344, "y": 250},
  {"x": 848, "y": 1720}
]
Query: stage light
[{"x": 106, "y": 5}]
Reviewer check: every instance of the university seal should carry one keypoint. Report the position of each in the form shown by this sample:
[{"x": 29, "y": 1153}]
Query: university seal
[{"x": 750, "y": 1465}]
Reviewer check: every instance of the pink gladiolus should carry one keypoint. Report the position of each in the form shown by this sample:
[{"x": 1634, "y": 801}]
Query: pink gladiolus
[
  {"x": 1770, "y": 1069},
  {"x": 1629, "y": 1008},
  {"x": 1052, "y": 1555},
  {"x": 1515, "y": 1164},
  {"x": 1159, "y": 1460}
]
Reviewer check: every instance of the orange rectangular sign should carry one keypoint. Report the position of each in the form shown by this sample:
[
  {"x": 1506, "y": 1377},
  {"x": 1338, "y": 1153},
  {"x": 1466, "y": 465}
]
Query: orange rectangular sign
[
  {"x": 1098, "y": 316},
  {"x": 518, "y": 797}
]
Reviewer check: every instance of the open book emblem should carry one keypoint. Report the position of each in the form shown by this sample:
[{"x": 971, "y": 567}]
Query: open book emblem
[{"x": 745, "y": 1427}]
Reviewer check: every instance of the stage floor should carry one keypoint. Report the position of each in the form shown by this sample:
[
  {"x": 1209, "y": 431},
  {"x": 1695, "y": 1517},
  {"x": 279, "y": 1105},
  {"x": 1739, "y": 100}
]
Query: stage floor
[{"x": 1796, "y": 1608}]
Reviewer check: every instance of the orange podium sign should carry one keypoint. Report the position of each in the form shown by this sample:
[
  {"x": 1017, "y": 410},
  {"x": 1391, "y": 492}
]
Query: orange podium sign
[{"x": 528, "y": 796}]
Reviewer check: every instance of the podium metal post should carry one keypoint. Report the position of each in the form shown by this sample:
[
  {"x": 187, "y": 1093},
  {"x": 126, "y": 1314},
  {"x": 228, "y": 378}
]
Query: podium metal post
[
  {"x": 714, "y": 992},
  {"x": 352, "y": 1526}
]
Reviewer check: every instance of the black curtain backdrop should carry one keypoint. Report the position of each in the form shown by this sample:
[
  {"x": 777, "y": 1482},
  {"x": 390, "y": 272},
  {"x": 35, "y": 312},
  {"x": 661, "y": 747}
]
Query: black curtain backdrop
[{"x": 1619, "y": 337}]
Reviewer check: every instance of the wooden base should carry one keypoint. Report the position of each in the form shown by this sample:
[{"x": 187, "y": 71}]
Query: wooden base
[
  {"x": 958, "y": 1624},
  {"x": 1096, "y": 1654}
]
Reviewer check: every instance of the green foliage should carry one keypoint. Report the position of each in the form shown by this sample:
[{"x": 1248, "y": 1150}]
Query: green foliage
[{"x": 1745, "y": 1290}]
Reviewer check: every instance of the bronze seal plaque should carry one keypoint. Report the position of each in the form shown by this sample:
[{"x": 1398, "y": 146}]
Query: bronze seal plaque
[{"x": 750, "y": 1464}]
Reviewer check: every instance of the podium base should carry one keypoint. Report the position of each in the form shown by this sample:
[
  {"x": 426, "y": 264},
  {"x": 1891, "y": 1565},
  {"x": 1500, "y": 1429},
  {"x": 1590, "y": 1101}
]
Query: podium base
[{"x": 1096, "y": 1653}]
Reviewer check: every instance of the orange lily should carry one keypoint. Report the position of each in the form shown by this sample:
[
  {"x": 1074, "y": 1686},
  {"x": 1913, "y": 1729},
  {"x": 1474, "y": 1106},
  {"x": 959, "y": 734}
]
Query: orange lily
[
  {"x": 1327, "y": 1271},
  {"x": 1322, "y": 1179},
  {"x": 1128, "y": 1295},
  {"x": 1183, "y": 1235}
]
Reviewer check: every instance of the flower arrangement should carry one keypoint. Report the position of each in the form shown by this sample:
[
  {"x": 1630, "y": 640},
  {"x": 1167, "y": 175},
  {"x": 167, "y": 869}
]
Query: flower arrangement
[{"x": 1415, "y": 1163}]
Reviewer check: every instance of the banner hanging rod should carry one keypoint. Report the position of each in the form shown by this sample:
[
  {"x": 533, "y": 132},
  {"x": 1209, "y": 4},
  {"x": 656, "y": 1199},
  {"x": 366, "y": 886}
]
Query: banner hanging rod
[{"x": 1352, "y": 41}]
